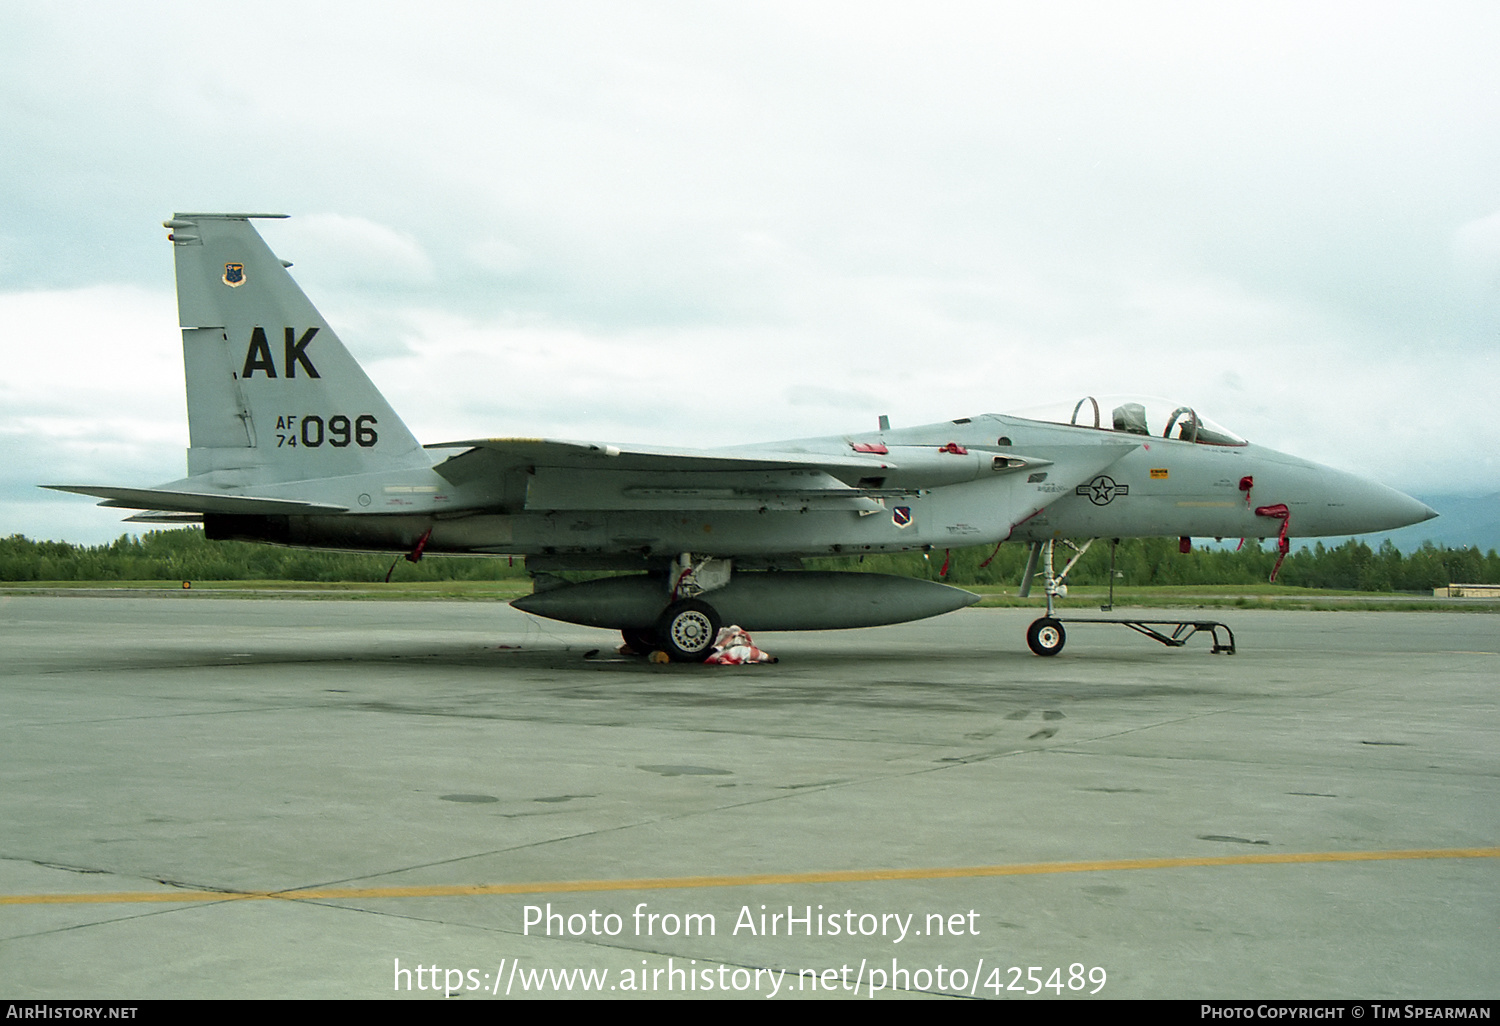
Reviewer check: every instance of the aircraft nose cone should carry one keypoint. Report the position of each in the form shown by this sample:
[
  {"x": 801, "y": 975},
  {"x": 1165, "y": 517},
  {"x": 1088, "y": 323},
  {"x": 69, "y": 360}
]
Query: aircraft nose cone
[
  {"x": 1368, "y": 506},
  {"x": 1403, "y": 510}
]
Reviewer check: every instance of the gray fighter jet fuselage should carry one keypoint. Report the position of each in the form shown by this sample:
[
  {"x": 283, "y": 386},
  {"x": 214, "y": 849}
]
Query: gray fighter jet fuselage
[{"x": 292, "y": 444}]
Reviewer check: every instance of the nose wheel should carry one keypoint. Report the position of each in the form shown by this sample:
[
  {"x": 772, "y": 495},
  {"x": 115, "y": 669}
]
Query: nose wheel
[{"x": 1046, "y": 636}]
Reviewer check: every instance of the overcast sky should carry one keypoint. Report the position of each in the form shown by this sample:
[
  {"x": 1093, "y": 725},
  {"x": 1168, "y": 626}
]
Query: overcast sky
[{"x": 708, "y": 223}]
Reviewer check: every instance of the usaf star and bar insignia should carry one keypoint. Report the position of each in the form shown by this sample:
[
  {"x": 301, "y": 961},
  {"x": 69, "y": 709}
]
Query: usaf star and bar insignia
[{"x": 1101, "y": 491}]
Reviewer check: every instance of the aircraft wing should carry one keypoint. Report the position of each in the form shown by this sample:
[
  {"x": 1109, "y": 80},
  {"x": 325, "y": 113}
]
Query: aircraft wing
[
  {"x": 489, "y": 454},
  {"x": 195, "y": 502},
  {"x": 560, "y": 474}
]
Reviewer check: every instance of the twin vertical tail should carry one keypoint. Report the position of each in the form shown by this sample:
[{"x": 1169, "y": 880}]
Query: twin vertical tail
[{"x": 272, "y": 394}]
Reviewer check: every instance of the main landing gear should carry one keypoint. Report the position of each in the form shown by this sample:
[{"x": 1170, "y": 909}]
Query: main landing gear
[
  {"x": 1046, "y": 636},
  {"x": 685, "y": 631},
  {"x": 687, "y": 628}
]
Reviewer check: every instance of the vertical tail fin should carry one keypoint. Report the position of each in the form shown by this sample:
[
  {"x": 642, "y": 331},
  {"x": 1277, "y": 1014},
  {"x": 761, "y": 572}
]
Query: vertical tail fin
[{"x": 272, "y": 394}]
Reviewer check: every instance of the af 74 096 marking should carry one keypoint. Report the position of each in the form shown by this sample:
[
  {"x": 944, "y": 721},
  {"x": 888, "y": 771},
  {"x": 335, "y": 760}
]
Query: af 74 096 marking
[{"x": 337, "y": 431}]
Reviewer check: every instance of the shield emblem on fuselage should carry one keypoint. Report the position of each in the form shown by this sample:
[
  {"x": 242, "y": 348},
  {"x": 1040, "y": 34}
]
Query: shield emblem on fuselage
[{"x": 234, "y": 275}]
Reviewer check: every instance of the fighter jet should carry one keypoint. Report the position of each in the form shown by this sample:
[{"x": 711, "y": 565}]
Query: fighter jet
[{"x": 291, "y": 443}]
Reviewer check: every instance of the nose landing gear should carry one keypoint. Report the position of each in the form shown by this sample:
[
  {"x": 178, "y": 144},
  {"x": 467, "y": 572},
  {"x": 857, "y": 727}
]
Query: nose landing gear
[{"x": 1046, "y": 636}]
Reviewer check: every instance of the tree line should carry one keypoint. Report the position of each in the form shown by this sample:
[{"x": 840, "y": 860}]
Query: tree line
[
  {"x": 185, "y": 554},
  {"x": 1350, "y": 566}
]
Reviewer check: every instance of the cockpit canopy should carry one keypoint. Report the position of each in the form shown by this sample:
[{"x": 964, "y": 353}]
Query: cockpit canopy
[{"x": 1151, "y": 416}]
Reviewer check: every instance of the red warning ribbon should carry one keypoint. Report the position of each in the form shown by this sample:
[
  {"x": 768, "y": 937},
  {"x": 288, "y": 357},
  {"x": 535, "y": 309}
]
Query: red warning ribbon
[{"x": 1283, "y": 546}]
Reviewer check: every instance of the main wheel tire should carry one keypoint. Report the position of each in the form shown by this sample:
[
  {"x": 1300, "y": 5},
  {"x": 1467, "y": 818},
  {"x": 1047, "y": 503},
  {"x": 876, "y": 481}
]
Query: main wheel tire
[
  {"x": 686, "y": 631},
  {"x": 1046, "y": 636},
  {"x": 642, "y": 640}
]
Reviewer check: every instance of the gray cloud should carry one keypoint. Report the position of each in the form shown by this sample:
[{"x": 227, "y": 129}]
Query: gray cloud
[{"x": 579, "y": 219}]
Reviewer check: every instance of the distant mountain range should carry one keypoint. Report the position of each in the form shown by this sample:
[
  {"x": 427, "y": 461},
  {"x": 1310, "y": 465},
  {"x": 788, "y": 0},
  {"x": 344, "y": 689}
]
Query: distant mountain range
[{"x": 1462, "y": 520}]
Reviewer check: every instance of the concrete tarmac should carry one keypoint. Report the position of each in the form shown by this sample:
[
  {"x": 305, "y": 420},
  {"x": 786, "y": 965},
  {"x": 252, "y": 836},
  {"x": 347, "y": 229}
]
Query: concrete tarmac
[{"x": 217, "y": 797}]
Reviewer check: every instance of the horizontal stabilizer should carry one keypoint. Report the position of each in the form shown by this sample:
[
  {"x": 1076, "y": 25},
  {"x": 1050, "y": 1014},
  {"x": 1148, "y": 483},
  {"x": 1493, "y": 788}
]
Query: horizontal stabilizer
[{"x": 196, "y": 502}]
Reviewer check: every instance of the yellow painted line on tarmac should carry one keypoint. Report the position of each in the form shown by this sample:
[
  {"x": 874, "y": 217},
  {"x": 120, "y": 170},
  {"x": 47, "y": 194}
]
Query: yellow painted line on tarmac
[{"x": 747, "y": 880}]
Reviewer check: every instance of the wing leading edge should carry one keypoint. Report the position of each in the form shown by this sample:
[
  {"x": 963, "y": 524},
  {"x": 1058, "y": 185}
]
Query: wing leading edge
[{"x": 566, "y": 454}]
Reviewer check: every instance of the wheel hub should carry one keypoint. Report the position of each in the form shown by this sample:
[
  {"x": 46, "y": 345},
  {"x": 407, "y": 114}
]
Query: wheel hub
[{"x": 690, "y": 631}]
